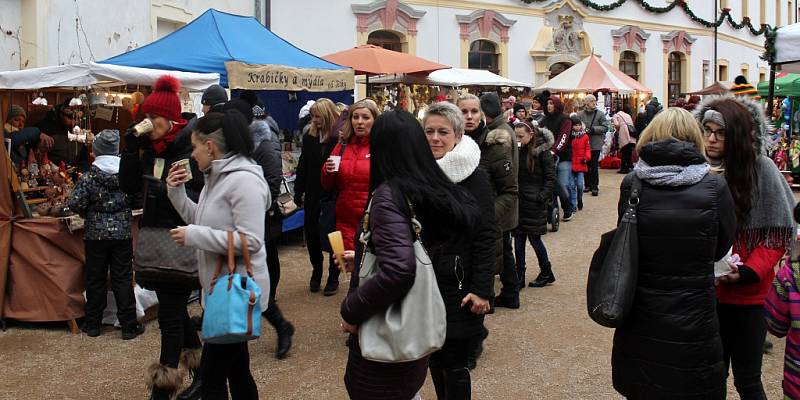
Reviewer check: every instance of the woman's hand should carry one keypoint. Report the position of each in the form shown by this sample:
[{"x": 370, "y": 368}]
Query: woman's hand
[
  {"x": 349, "y": 257},
  {"x": 46, "y": 142},
  {"x": 479, "y": 304},
  {"x": 179, "y": 235},
  {"x": 330, "y": 165},
  {"x": 353, "y": 329},
  {"x": 177, "y": 176},
  {"x": 733, "y": 276}
]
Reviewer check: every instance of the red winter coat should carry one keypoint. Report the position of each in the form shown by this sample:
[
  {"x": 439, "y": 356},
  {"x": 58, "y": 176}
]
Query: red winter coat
[
  {"x": 581, "y": 153},
  {"x": 762, "y": 261},
  {"x": 352, "y": 183}
]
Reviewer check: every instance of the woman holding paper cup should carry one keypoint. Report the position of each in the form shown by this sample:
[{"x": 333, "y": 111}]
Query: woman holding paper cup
[
  {"x": 145, "y": 162},
  {"x": 734, "y": 130},
  {"x": 347, "y": 172},
  {"x": 464, "y": 262},
  {"x": 317, "y": 146},
  {"x": 222, "y": 146},
  {"x": 670, "y": 346},
  {"x": 402, "y": 171}
]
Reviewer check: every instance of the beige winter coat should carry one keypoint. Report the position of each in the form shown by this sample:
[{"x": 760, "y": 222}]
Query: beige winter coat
[{"x": 235, "y": 197}]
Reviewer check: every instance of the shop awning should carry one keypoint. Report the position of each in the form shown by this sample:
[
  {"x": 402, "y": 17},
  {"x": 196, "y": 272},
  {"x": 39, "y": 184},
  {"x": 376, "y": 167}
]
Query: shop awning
[
  {"x": 786, "y": 84},
  {"x": 591, "y": 75},
  {"x": 373, "y": 60},
  {"x": 714, "y": 88},
  {"x": 214, "y": 38},
  {"x": 94, "y": 74},
  {"x": 787, "y": 47},
  {"x": 452, "y": 77}
]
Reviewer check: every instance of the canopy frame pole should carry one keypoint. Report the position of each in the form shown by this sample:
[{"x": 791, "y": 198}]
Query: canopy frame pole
[{"x": 771, "y": 95}]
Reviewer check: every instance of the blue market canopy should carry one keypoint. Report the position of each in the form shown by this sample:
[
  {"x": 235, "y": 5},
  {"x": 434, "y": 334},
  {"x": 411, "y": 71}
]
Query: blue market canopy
[{"x": 214, "y": 38}]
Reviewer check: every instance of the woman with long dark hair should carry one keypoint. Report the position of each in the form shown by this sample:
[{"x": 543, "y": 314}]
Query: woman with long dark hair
[
  {"x": 734, "y": 130},
  {"x": 402, "y": 170}
]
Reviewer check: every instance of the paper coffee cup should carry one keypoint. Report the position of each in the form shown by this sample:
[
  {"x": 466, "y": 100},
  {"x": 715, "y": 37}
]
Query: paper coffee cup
[
  {"x": 144, "y": 127},
  {"x": 185, "y": 165},
  {"x": 336, "y": 160}
]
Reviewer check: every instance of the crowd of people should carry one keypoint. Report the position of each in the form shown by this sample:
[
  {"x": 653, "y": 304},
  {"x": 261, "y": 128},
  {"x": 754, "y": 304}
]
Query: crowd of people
[{"x": 476, "y": 180}]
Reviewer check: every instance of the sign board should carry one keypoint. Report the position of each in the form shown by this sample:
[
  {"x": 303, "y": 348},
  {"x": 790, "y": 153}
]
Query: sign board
[{"x": 280, "y": 77}]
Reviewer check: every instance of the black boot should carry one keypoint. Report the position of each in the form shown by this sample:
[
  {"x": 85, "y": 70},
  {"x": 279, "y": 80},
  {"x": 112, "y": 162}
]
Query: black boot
[
  {"x": 438, "y": 378},
  {"x": 190, "y": 360},
  {"x": 458, "y": 384},
  {"x": 283, "y": 328},
  {"x": 316, "y": 279},
  {"x": 477, "y": 350},
  {"x": 521, "y": 277},
  {"x": 545, "y": 278}
]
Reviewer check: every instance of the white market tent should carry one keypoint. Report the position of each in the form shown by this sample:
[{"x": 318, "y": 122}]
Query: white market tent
[
  {"x": 453, "y": 77},
  {"x": 94, "y": 74},
  {"x": 787, "y": 48}
]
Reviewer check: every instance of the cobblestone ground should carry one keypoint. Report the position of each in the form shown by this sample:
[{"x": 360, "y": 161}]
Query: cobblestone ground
[{"x": 548, "y": 349}]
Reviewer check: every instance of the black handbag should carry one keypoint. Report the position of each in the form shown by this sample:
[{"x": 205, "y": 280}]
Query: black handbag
[
  {"x": 614, "y": 268},
  {"x": 327, "y": 213},
  {"x": 158, "y": 259}
]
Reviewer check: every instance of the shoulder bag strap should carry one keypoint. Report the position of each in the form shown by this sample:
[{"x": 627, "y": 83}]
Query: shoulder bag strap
[
  {"x": 246, "y": 254},
  {"x": 365, "y": 232},
  {"x": 231, "y": 259},
  {"x": 415, "y": 224},
  {"x": 220, "y": 260},
  {"x": 633, "y": 200}
]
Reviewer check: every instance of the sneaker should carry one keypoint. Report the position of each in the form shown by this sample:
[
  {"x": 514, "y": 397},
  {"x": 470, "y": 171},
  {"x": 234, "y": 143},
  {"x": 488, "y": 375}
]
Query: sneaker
[
  {"x": 331, "y": 288},
  {"x": 595, "y": 192},
  {"x": 586, "y": 190},
  {"x": 567, "y": 216},
  {"x": 91, "y": 330},
  {"x": 128, "y": 334}
]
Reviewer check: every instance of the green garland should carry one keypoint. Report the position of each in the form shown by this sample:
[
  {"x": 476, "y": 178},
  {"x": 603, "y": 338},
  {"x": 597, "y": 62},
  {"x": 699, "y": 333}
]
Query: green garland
[{"x": 724, "y": 15}]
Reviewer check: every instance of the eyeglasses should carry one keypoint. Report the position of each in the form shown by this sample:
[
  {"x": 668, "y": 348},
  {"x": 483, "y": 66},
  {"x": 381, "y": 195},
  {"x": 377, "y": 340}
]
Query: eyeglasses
[{"x": 719, "y": 134}]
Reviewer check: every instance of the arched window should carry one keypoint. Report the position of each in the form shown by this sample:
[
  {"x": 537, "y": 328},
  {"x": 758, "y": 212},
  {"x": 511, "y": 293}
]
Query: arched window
[
  {"x": 483, "y": 55},
  {"x": 558, "y": 68},
  {"x": 675, "y": 75},
  {"x": 386, "y": 39},
  {"x": 629, "y": 64}
]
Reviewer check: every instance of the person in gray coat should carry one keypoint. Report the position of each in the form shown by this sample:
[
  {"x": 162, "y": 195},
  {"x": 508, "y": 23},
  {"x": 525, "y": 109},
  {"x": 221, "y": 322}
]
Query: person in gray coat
[
  {"x": 235, "y": 192},
  {"x": 597, "y": 124}
]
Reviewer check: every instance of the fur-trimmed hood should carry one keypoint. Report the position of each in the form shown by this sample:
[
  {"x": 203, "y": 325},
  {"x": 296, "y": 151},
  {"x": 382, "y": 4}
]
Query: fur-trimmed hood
[
  {"x": 544, "y": 142},
  {"x": 761, "y": 126},
  {"x": 499, "y": 136}
]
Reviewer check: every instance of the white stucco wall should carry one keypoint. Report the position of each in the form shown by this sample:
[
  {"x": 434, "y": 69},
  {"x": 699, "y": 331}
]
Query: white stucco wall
[{"x": 9, "y": 21}]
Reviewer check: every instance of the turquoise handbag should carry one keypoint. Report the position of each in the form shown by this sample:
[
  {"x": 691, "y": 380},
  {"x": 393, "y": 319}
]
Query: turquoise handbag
[{"x": 232, "y": 303}]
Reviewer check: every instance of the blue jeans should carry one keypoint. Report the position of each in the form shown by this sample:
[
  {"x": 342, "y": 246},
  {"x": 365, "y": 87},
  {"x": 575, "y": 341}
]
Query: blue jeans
[
  {"x": 577, "y": 177},
  {"x": 566, "y": 180},
  {"x": 538, "y": 248}
]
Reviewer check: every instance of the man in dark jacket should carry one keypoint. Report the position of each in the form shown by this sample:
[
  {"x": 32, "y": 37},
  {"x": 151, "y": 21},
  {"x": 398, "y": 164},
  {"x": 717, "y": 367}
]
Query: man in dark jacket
[
  {"x": 57, "y": 124},
  {"x": 596, "y": 123},
  {"x": 214, "y": 98},
  {"x": 652, "y": 108}
]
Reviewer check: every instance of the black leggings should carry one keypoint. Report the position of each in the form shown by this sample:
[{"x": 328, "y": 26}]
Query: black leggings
[
  {"x": 449, "y": 371},
  {"x": 593, "y": 177},
  {"x": 311, "y": 230},
  {"x": 743, "y": 330},
  {"x": 177, "y": 331},
  {"x": 227, "y": 364},
  {"x": 102, "y": 255},
  {"x": 626, "y": 158}
]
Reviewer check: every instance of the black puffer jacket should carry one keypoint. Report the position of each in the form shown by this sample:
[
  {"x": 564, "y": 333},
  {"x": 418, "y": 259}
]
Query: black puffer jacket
[
  {"x": 669, "y": 347},
  {"x": 136, "y": 176},
  {"x": 465, "y": 263},
  {"x": 537, "y": 175}
]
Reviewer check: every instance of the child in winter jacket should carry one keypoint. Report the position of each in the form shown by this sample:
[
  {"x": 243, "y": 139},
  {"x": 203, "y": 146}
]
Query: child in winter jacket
[
  {"x": 97, "y": 198},
  {"x": 783, "y": 316},
  {"x": 581, "y": 154}
]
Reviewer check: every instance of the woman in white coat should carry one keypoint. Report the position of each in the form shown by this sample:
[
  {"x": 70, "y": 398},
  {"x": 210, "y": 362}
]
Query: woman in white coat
[{"x": 234, "y": 196}]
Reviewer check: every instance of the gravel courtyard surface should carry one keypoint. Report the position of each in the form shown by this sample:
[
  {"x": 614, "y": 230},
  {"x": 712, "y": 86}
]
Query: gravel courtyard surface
[{"x": 548, "y": 349}]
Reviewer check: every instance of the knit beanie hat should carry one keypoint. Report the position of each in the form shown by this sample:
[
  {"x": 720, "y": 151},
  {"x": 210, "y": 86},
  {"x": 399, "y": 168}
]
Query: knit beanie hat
[
  {"x": 106, "y": 143},
  {"x": 715, "y": 117},
  {"x": 164, "y": 100},
  {"x": 518, "y": 106},
  {"x": 215, "y": 94},
  {"x": 490, "y": 105},
  {"x": 15, "y": 111},
  {"x": 243, "y": 107}
]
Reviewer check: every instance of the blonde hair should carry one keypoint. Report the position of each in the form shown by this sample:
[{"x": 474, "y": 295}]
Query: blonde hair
[
  {"x": 674, "y": 122},
  {"x": 326, "y": 109},
  {"x": 347, "y": 127}
]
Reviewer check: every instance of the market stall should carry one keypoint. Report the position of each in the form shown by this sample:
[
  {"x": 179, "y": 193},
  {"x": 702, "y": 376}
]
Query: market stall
[
  {"x": 41, "y": 245},
  {"x": 246, "y": 55}
]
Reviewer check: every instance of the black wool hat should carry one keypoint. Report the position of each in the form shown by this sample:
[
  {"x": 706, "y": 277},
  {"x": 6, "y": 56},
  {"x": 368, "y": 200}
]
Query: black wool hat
[{"x": 490, "y": 105}]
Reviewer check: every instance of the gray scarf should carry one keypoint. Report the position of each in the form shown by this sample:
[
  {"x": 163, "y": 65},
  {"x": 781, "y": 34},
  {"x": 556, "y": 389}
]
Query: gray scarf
[
  {"x": 670, "y": 175},
  {"x": 770, "y": 221}
]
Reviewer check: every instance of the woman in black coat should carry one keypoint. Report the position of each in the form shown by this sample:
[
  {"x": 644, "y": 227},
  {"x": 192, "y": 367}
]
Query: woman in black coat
[
  {"x": 537, "y": 176},
  {"x": 403, "y": 170},
  {"x": 669, "y": 346},
  {"x": 463, "y": 263},
  {"x": 317, "y": 147}
]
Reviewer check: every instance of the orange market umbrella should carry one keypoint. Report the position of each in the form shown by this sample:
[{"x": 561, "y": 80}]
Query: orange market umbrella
[{"x": 373, "y": 60}]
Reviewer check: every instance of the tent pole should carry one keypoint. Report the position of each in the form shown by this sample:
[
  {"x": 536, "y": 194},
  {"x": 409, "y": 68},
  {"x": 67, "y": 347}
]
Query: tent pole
[{"x": 771, "y": 95}]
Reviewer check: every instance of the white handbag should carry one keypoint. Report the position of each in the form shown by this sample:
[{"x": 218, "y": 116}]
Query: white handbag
[{"x": 415, "y": 326}]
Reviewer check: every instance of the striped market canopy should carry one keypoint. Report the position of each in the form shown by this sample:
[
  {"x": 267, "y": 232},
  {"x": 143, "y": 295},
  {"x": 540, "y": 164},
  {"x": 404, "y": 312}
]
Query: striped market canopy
[{"x": 592, "y": 75}]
